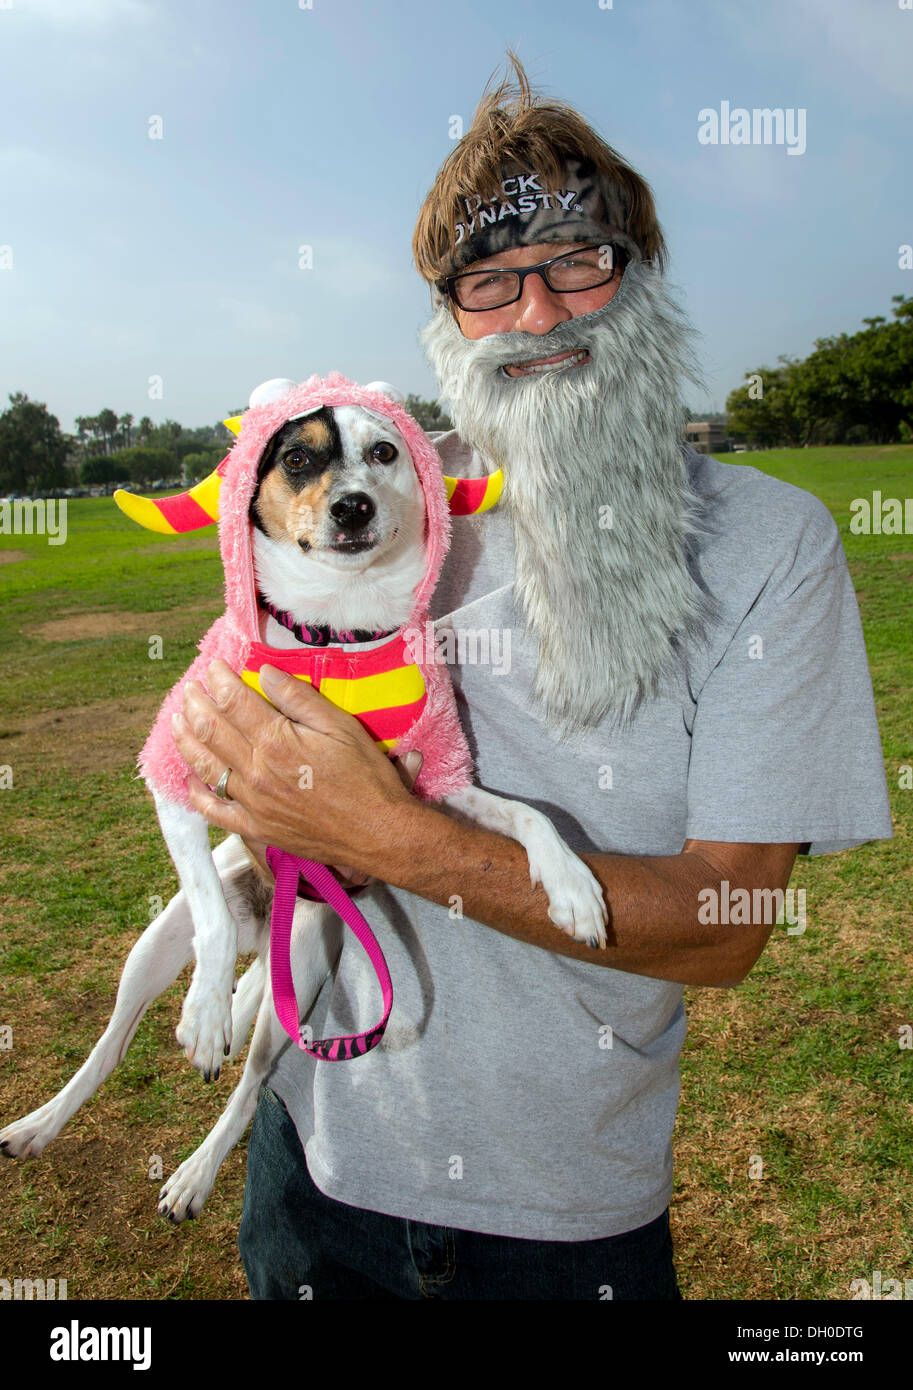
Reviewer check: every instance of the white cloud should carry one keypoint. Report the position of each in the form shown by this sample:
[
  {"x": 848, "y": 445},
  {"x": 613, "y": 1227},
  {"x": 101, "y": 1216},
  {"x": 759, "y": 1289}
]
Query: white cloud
[
  {"x": 345, "y": 269},
  {"x": 24, "y": 166},
  {"x": 748, "y": 176},
  {"x": 80, "y": 12},
  {"x": 874, "y": 36},
  {"x": 832, "y": 39},
  {"x": 249, "y": 321},
  {"x": 348, "y": 267}
]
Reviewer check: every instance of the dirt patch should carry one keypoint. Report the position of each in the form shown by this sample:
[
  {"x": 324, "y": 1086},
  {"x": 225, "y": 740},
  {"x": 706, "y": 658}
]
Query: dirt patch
[
  {"x": 7, "y": 557},
  {"x": 106, "y": 735},
  {"x": 90, "y": 625},
  {"x": 115, "y": 623},
  {"x": 84, "y": 738}
]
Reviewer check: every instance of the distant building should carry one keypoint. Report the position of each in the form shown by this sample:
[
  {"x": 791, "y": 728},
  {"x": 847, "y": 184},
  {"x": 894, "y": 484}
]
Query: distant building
[{"x": 707, "y": 436}]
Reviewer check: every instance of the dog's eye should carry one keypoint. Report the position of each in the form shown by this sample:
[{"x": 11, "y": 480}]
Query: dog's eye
[
  {"x": 383, "y": 452},
  {"x": 295, "y": 458}
]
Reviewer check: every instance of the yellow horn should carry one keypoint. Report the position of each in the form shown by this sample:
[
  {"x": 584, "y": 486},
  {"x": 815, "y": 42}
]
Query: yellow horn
[
  {"x": 467, "y": 496},
  {"x": 186, "y": 511}
]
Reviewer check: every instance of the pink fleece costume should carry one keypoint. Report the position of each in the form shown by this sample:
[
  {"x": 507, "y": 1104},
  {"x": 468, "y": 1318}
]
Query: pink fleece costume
[{"x": 446, "y": 765}]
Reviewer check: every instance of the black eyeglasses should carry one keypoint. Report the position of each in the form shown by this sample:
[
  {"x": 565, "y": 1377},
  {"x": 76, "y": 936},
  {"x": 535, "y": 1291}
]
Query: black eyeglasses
[{"x": 571, "y": 273}]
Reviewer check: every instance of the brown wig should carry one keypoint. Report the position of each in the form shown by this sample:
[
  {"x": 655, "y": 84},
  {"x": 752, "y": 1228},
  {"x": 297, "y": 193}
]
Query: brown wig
[{"x": 511, "y": 126}]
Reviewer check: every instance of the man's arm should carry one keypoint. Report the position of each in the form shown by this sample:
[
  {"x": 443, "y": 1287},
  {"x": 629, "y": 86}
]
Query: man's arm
[
  {"x": 653, "y": 902},
  {"x": 356, "y": 811}
]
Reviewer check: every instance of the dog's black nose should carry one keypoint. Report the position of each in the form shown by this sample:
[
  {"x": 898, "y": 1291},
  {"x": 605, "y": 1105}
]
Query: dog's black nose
[{"x": 353, "y": 511}]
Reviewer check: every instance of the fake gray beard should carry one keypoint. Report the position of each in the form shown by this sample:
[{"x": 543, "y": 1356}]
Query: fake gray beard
[{"x": 597, "y": 489}]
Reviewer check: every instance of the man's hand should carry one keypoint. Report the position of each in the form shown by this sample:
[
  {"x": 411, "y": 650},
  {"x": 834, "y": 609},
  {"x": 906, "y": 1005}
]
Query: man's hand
[
  {"x": 305, "y": 776},
  {"x": 408, "y": 767}
]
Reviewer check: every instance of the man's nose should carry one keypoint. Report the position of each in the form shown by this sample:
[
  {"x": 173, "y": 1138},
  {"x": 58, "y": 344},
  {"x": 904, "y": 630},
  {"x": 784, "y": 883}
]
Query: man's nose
[{"x": 539, "y": 308}]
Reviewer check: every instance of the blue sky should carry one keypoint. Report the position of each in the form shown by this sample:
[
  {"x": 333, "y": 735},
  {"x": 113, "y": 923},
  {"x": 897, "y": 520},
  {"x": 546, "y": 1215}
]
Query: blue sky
[{"x": 285, "y": 126}]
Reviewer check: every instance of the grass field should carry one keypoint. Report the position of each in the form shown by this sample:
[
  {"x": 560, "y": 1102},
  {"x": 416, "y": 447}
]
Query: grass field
[{"x": 800, "y": 1065}]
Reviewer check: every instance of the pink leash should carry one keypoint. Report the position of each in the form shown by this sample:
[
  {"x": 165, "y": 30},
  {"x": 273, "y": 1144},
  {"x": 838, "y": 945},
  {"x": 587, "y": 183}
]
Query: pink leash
[{"x": 287, "y": 869}]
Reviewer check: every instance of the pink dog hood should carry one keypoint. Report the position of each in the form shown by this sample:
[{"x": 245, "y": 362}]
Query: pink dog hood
[
  {"x": 258, "y": 425},
  {"x": 436, "y": 733}
]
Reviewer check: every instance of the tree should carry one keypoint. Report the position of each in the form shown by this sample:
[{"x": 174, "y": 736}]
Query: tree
[
  {"x": 100, "y": 468},
  {"x": 82, "y": 427},
  {"x": 143, "y": 463},
  {"x": 107, "y": 427},
  {"x": 764, "y": 411},
  {"x": 32, "y": 448},
  {"x": 166, "y": 436},
  {"x": 200, "y": 465},
  {"x": 854, "y": 388},
  {"x": 428, "y": 413}
]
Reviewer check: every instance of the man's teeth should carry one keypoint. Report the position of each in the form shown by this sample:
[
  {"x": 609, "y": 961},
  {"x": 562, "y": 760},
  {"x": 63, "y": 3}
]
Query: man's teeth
[{"x": 572, "y": 360}]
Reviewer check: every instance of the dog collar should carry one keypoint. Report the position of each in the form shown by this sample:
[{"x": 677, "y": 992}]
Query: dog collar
[{"x": 312, "y": 635}]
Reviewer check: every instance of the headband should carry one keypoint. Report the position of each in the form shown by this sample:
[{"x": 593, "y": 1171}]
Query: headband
[{"x": 587, "y": 207}]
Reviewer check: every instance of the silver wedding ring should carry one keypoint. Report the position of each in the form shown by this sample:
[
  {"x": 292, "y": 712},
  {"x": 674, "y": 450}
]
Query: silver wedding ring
[{"x": 221, "y": 793}]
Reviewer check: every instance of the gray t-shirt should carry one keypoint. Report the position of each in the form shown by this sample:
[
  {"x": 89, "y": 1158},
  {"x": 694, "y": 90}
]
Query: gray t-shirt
[{"x": 522, "y": 1093}]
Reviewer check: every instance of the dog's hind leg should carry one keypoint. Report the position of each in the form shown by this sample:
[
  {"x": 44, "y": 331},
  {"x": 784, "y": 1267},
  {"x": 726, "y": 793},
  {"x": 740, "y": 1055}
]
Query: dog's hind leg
[
  {"x": 316, "y": 943},
  {"x": 153, "y": 964},
  {"x": 244, "y": 1005},
  {"x": 188, "y": 1187},
  {"x": 249, "y": 990}
]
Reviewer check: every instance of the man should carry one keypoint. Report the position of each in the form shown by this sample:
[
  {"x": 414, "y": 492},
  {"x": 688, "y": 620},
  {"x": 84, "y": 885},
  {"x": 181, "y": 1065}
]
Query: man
[{"x": 688, "y": 698}]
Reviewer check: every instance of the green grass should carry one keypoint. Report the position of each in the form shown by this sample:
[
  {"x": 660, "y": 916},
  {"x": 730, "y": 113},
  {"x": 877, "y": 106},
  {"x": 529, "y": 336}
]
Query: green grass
[
  {"x": 802, "y": 1066},
  {"x": 107, "y": 564},
  {"x": 799, "y": 1065}
]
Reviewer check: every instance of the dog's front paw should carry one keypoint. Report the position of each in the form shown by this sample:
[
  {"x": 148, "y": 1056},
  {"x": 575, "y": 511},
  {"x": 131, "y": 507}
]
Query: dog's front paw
[
  {"x": 184, "y": 1193},
  {"x": 575, "y": 901},
  {"x": 26, "y": 1138},
  {"x": 204, "y": 1031}
]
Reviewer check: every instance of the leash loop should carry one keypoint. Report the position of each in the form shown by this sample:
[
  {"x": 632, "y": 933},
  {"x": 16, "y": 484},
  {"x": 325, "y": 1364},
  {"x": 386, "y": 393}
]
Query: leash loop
[{"x": 288, "y": 868}]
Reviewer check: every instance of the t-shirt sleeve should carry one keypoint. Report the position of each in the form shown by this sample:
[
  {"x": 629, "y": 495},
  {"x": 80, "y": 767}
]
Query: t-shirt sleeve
[{"x": 785, "y": 742}]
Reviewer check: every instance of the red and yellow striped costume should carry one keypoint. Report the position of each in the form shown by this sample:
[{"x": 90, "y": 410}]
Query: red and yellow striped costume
[{"x": 383, "y": 687}]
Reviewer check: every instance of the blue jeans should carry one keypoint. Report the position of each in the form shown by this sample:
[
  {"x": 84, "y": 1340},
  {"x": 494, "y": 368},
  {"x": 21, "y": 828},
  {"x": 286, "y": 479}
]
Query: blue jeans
[{"x": 297, "y": 1243}]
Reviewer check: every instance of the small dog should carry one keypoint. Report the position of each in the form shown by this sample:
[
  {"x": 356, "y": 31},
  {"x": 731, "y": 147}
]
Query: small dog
[{"x": 333, "y": 526}]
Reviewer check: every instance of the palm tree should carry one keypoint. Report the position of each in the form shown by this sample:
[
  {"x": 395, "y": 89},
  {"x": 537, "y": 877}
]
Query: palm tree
[
  {"x": 107, "y": 424},
  {"x": 82, "y": 425}
]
